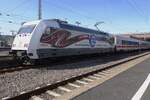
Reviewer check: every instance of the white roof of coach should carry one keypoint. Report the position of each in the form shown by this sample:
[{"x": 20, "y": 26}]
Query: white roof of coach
[{"x": 126, "y": 38}]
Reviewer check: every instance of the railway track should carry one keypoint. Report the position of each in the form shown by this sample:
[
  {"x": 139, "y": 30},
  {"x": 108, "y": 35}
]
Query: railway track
[
  {"x": 5, "y": 48},
  {"x": 14, "y": 68},
  {"x": 60, "y": 89},
  {"x": 5, "y": 58},
  {"x": 7, "y": 64}
]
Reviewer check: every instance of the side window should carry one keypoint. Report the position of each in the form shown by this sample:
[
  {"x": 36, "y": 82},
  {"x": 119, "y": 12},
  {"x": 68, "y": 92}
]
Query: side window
[{"x": 48, "y": 30}]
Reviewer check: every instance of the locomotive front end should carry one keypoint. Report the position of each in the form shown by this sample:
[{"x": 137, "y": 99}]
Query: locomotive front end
[{"x": 21, "y": 42}]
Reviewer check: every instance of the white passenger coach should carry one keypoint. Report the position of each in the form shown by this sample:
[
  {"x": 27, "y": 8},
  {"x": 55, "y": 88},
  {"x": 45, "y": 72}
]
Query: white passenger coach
[{"x": 123, "y": 43}]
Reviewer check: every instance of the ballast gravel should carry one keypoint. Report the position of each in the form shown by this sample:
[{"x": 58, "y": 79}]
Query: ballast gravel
[{"x": 12, "y": 84}]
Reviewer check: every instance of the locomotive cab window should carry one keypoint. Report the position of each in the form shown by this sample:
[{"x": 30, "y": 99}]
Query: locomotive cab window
[
  {"x": 26, "y": 29},
  {"x": 48, "y": 30}
]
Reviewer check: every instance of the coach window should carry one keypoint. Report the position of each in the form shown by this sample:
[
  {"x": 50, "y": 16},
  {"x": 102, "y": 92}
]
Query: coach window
[{"x": 48, "y": 30}]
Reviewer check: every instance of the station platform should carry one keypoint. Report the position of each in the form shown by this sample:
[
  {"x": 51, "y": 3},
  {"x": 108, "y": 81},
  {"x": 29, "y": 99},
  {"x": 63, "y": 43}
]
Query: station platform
[{"x": 128, "y": 85}]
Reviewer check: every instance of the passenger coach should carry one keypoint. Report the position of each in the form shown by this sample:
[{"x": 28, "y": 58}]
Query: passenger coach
[{"x": 123, "y": 43}]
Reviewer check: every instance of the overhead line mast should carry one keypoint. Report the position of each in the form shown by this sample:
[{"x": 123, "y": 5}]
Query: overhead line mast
[{"x": 39, "y": 9}]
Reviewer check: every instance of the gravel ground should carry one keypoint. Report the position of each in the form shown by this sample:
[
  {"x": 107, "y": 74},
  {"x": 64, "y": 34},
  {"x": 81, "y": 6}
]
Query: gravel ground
[{"x": 12, "y": 84}]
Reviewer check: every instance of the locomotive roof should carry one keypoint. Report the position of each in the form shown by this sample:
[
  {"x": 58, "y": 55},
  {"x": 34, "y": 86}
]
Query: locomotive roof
[
  {"x": 82, "y": 29},
  {"x": 31, "y": 22},
  {"x": 65, "y": 25}
]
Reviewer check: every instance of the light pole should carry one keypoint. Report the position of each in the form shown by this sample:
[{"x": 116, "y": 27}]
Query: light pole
[
  {"x": 0, "y": 32},
  {"x": 12, "y": 32},
  {"x": 98, "y": 23},
  {"x": 39, "y": 9}
]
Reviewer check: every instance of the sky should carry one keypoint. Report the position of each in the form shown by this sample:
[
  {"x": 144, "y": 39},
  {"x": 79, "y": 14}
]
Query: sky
[{"x": 119, "y": 16}]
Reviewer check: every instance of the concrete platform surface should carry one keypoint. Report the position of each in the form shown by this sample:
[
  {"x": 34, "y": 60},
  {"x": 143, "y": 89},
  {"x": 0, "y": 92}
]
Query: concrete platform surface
[{"x": 122, "y": 87}]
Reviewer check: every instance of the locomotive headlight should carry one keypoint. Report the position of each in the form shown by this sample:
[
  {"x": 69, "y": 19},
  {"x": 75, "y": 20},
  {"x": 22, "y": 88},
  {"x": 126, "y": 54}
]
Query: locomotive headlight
[
  {"x": 26, "y": 45},
  {"x": 13, "y": 45}
]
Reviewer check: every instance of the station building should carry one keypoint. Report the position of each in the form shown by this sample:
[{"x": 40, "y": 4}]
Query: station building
[
  {"x": 6, "y": 40},
  {"x": 142, "y": 36}
]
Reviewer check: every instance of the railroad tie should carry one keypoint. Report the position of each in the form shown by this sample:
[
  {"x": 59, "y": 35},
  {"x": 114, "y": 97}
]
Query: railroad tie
[
  {"x": 97, "y": 75},
  {"x": 102, "y": 74},
  {"x": 64, "y": 89},
  {"x": 5, "y": 98},
  {"x": 36, "y": 98},
  {"x": 87, "y": 79},
  {"x": 52, "y": 93},
  {"x": 74, "y": 85},
  {"x": 94, "y": 77},
  {"x": 81, "y": 82},
  {"x": 105, "y": 72}
]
